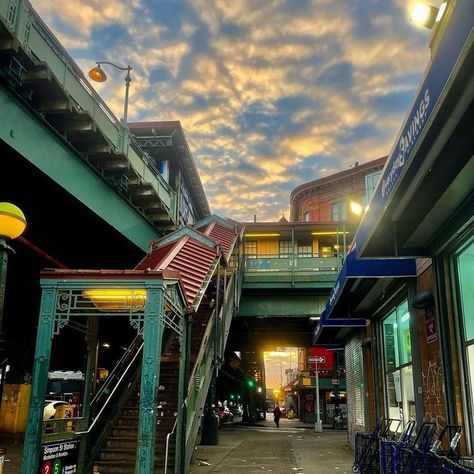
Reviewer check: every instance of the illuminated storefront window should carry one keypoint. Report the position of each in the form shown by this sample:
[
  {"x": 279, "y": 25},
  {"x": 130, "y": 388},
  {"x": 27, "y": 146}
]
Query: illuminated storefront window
[
  {"x": 399, "y": 389},
  {"x": 465, "y": 264}
]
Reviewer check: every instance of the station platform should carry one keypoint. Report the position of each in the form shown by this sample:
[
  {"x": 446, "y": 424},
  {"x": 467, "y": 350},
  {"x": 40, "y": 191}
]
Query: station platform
[{"x": 293, "y": 448}]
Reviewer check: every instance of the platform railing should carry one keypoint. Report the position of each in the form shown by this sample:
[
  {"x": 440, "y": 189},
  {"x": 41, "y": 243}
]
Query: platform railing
[{"x": 211, "y": 350}]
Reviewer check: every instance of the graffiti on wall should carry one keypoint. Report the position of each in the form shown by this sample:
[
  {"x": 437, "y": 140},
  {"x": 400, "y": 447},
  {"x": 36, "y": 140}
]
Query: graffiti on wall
[{"x": 433, "y": 394}]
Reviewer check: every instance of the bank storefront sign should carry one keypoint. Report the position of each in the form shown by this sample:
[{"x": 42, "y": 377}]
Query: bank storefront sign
[{"x": 458, "y": 34}]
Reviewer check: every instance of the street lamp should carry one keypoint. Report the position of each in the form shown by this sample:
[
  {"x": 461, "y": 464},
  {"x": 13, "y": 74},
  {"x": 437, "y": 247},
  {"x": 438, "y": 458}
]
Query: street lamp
[
  {"x": 97, "y": 74},
  {"x": 427, "y": 15},
  {"x": 12, "y": 225}
]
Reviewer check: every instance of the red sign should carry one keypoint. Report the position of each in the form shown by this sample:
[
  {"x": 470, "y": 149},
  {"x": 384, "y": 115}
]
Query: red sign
[{"x": 321, "y": 352}]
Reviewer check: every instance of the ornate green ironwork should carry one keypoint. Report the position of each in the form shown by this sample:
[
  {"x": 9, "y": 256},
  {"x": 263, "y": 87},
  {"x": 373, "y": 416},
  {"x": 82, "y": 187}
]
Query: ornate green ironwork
[{"x": 68, "y": 301}]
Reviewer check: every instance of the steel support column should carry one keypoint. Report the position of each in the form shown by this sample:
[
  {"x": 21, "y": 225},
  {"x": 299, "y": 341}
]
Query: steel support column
[
  {"x": 39, "y": 382},
  {"x": 150, "y": 380}
]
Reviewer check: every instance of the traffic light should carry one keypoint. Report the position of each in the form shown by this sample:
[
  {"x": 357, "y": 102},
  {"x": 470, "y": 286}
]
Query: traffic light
[
  {"x": 250, "y": 383},
  {"x": 232, "y": 396}
]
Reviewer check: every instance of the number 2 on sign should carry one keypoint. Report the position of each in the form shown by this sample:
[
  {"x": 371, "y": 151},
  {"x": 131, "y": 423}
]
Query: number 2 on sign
[{"x": 46, "y": 469}]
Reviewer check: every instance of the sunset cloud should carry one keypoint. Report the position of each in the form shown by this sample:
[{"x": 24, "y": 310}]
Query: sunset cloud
[{"x": 270, "y": 94}]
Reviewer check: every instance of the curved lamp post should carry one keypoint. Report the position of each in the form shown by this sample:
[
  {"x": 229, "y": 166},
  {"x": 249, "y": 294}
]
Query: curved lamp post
[
  {"x": 12, "y": 225},
  {"x": 97, "y": 74}
]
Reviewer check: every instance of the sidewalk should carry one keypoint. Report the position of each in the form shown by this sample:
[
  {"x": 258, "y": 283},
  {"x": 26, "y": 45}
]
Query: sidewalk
[
  {"x": 292, "y": 448},
  {"x": 14, "y": 453}
]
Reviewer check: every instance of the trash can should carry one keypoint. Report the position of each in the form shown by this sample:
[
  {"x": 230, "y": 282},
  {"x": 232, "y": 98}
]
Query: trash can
[{"x": 65, "y": 411}]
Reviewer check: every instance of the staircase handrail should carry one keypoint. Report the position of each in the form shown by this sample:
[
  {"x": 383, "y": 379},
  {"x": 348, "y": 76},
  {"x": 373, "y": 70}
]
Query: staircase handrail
[
  {"x": 125, "y": 372},
  {"x": 116, "y": 373},
  {"x": 168, "y": 436},
  {"x": 206, "y": 357},
  {"x": 103, "y": 421}
]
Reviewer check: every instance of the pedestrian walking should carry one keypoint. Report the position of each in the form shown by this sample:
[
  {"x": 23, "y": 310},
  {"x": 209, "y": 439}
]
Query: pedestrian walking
[{"x": 276, "y": 416}]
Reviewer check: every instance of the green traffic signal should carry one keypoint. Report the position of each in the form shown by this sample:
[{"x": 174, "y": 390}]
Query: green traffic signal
[
  {"x": 251, "y": 383},
  {"x": 232, "y": 397}
]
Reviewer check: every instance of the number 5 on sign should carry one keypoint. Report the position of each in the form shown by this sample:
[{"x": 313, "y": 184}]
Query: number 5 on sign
[{"x": 57, "y": 466}]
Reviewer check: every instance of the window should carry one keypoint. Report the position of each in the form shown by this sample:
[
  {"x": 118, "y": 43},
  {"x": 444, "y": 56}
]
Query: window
[
  {"x": 465, "y": 267},
  {"x": 250, "y": 248},
  {"x": 305, "y": 248},
  {"x": 399, "y": 388},
  {"x": 285, "y": 248},
  {"x": 306, "y": 216},
  {"x": 371, "y": 181},
  {"x": 338, "y": 211}
]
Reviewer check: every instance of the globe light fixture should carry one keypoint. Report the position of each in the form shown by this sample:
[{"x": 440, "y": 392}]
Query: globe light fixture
[
  {"x": 12, "y": 221},
  {"x": 97, "y": 74}
]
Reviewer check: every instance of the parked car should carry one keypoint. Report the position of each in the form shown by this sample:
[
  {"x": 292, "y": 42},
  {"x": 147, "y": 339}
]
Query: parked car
[
  {"x": 49, "y": 411},
  {"x": 225, "y": 415}
]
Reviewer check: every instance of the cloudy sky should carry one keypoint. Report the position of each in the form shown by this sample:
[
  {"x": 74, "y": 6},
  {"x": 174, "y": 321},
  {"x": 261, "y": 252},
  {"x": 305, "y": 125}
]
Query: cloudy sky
[{"x": 271, "y": 93}]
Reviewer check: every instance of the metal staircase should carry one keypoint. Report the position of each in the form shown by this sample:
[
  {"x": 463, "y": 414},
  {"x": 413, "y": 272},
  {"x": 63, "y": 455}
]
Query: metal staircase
[{"x": 213, "y": 311}]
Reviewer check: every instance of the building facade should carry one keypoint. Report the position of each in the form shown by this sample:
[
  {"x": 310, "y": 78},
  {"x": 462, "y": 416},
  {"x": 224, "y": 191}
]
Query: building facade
[{"x": 330, "y": 198}]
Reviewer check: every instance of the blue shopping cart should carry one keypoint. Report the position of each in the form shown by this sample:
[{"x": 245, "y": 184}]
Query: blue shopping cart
[
  {"x": 395, "y": 454},
  {"x": 366, "y": 458}
]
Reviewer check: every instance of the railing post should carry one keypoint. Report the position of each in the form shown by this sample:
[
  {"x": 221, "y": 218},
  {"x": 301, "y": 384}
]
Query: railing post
[
  {"x": 31, "y": 450},
  {"x": 150, "y": 380}
]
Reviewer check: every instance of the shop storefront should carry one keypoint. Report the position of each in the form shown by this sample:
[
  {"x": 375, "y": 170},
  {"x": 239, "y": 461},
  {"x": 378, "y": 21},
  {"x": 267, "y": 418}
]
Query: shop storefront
[{"x": 423, "y": 208}]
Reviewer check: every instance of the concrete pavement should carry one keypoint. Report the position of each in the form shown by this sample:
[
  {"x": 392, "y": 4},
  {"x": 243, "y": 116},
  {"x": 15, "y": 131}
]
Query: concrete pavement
[{"x": 292, "y": 448}]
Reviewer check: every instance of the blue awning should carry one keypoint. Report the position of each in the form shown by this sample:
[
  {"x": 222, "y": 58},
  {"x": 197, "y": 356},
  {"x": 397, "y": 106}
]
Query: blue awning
[
  {"x": 355, "y": 268},
  {"x": 337, "y": 313}
]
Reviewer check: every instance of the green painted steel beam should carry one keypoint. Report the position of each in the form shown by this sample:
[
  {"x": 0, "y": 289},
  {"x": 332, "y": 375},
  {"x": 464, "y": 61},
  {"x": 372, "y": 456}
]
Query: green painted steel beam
[
  {"x": 281, "y": 305},
  {"x": 274, "y": 285},
  {"x": 25, "y": 133}
]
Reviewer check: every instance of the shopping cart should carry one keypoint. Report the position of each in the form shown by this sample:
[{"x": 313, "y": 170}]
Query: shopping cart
[
  {"x": 395, "y": 455},
  {"x": 438, "y": 458},
  {"x": 388, "y": 449},
  {"x": 366, "y": 457}
]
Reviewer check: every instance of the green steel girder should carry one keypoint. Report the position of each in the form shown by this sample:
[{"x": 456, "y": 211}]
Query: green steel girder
[
  {"x": 155, "y": 142},
  {"x": 21, "y": 130},
  {"x": 272, "y": 305},
  {"x": 269, "y": 285}
]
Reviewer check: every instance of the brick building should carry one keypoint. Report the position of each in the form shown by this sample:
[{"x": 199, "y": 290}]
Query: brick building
[{"x": 329, "y": 198}]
